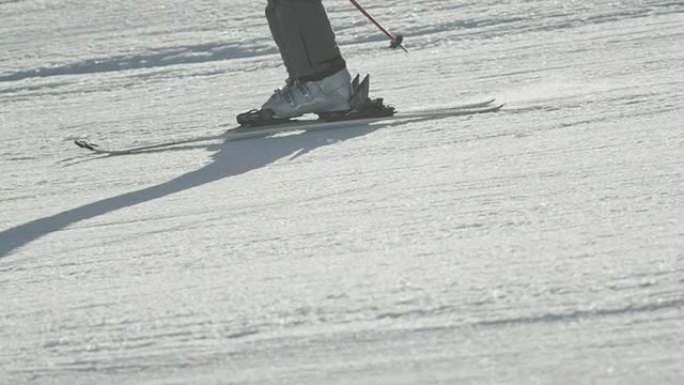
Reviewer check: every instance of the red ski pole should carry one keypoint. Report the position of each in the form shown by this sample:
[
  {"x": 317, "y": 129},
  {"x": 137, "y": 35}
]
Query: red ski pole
[{"x": 395, "y": 39}]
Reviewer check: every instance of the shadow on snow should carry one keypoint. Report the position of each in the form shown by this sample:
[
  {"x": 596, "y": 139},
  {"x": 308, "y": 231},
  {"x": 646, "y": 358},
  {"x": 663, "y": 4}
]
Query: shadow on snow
[
  {"x": 232, "y": 158},
  {"x": 202, "y": 53}
]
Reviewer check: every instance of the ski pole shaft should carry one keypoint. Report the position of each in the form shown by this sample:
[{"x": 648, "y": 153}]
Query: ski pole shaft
[{"x": 396, "y": 40}]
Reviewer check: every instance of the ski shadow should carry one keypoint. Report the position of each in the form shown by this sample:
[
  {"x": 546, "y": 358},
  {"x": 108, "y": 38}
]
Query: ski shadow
[{"x": 231, "y": 159}]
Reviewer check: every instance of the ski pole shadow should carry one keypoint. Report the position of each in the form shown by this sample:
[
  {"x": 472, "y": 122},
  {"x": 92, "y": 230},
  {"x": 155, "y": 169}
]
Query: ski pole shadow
[{"x": 230, "y": 159}]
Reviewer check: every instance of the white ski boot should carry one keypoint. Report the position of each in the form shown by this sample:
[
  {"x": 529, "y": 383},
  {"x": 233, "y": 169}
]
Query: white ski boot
[
  {"x": 331, "y": 94},
  {"x": 334, "y": 98}
]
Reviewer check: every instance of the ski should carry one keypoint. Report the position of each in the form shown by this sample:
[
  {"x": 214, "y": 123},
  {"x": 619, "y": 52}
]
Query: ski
[{"x": 243, "y": 133}]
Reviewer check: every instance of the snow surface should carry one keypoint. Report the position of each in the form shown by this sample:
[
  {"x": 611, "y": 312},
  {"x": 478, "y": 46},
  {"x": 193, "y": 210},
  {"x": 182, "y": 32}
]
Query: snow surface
[{"x": 541, "y": 244}]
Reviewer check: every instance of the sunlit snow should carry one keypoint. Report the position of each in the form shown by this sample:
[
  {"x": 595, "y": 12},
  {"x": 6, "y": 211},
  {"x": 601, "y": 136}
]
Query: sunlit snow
[{"x": 543, "y": 244}]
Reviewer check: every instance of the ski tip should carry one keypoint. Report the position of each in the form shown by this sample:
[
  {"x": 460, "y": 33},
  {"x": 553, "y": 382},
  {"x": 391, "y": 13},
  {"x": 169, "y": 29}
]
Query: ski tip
[
  {"x": 493, "y": 108},
  {"x": 85, "y": 145}
]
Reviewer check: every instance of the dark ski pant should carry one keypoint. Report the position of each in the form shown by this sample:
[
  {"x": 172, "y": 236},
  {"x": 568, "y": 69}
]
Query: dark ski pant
[{"x": 306, "y": 41}]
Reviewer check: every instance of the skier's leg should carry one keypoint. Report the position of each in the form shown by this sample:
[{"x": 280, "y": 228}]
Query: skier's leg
[
  {"x": 302, "y": 31},
  {"x": 274, "y": 25},
  {"x": 319, "y": 78}
]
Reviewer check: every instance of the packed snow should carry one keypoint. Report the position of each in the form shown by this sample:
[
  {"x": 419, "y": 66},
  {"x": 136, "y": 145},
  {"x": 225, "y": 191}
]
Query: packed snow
[{"x": 543, "y": 244}]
